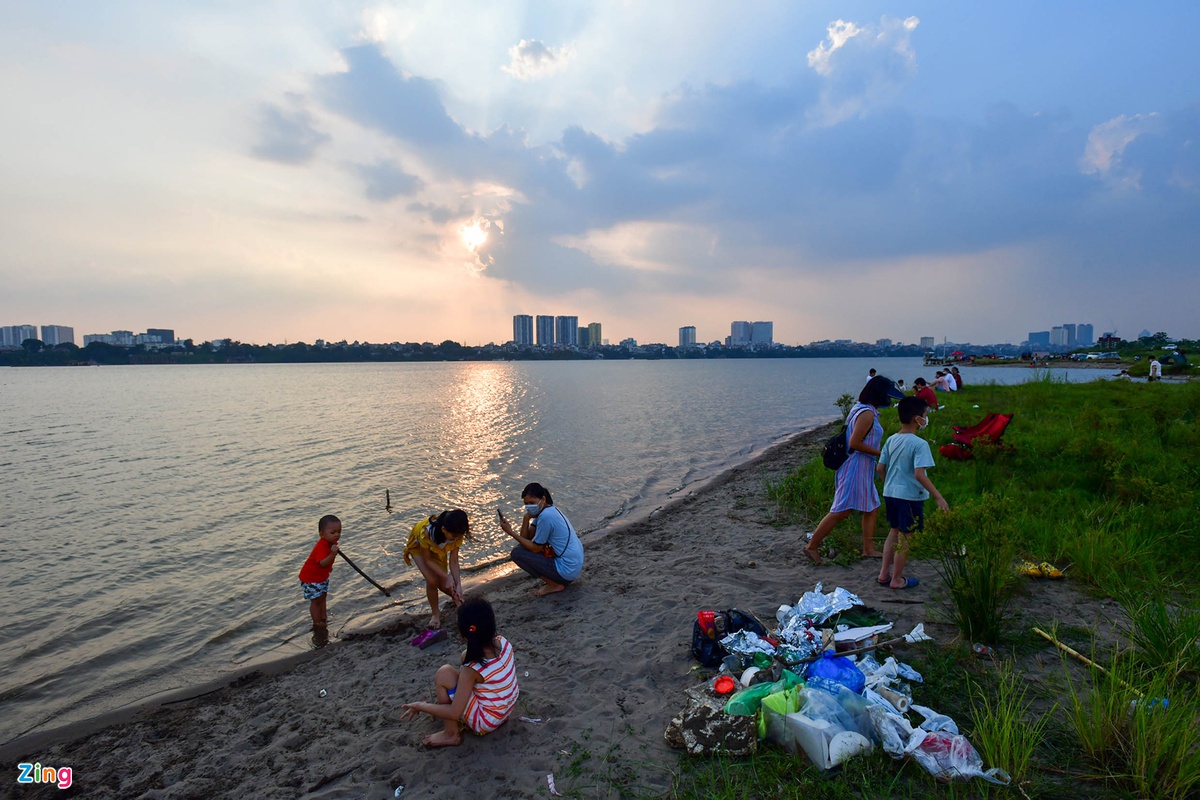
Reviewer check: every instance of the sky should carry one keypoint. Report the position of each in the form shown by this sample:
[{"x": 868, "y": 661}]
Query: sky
[{"x": 422, "y": 171}]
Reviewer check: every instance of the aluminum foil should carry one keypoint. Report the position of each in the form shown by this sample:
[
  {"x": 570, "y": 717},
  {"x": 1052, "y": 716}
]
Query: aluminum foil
[
  {"x": 818, "y": 606},
  {"x": 747, "y": 643}
]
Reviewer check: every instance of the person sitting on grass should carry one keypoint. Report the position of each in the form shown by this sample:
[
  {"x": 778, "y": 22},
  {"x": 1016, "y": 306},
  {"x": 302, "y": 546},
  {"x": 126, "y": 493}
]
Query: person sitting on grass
[
  {"x": 482, "y": 692},
  {"x": 433, "y": 544},
  {"x": 902, "y": 464},
  {"x": 921, "y": 389}
]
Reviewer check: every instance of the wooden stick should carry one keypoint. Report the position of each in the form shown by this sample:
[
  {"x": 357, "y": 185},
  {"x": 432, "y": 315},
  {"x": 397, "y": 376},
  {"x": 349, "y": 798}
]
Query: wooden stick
[
  {"x": 365, "y": 575},
  {"x": 1082, "y": 658}
]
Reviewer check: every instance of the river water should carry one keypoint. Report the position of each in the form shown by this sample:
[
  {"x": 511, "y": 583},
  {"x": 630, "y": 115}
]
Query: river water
[{"x": 153, "y": 518}]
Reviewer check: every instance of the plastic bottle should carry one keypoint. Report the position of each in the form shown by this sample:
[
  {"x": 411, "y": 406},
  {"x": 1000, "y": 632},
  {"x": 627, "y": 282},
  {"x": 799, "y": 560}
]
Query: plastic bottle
[{"x": 982, "y": 649}]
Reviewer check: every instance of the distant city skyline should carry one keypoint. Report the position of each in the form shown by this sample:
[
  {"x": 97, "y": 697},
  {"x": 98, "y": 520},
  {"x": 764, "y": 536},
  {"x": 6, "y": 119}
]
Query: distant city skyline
[{"x": 409, "y": 172}]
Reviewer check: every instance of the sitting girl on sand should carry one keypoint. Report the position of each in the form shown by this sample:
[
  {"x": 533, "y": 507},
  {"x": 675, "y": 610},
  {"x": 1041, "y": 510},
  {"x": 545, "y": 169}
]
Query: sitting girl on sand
[
  {"x": 433, "y": 544},
  {"x": 483, "y": 691}
]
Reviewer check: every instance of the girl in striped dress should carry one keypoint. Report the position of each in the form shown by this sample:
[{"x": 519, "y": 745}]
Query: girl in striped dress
[
  {"x": 855, "y": 479},
  {"x": 483, "y": 691}
]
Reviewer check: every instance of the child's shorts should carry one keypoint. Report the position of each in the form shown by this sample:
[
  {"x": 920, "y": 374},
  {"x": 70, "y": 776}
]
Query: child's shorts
[
  {"x": 906, "y": 516},
  {"x": 314, "y": 590}
]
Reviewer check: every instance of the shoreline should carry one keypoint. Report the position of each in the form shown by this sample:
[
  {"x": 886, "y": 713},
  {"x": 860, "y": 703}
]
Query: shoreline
[
  {"x": 482, "y": 577},
  {"x": 602, "y": 668}
]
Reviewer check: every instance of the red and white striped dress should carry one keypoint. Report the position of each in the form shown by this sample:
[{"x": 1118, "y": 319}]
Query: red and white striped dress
[{"x": 495, "y": 695}]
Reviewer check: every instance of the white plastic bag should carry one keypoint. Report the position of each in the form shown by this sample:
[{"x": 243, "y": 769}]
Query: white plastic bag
[{"x": 948, "y": 757}]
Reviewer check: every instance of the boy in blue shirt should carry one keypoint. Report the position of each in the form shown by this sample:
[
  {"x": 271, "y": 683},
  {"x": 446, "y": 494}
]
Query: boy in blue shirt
[{"x": 902, "y": 463}]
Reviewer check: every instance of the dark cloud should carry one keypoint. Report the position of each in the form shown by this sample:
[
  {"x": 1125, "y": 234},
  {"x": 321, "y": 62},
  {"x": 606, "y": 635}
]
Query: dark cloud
[
  {"x": 375, "y": 94},
  {"x": 386, "y": 180},
  {"x": 287, "y": 135}
]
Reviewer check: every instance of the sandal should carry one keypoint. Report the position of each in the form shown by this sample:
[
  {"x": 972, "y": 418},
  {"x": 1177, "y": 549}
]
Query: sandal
[{"x": 909, "y": 583}]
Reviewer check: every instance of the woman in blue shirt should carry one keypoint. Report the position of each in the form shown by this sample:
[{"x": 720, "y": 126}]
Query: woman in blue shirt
[{"x": 549, "y": 548}]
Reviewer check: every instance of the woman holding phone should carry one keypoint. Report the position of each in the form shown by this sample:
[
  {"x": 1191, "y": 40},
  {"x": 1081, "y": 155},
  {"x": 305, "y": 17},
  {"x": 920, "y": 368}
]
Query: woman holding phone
[{"x": 548, "y": 546}]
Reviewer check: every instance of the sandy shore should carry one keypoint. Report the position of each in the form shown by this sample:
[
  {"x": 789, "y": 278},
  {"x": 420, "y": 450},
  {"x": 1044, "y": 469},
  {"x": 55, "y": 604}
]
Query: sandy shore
[{"x": 602, "y": 665}]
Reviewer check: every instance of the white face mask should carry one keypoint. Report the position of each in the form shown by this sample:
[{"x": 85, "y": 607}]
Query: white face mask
[
  {"x": 532, "y": 509},
  {"x": 922, "y": 421}
]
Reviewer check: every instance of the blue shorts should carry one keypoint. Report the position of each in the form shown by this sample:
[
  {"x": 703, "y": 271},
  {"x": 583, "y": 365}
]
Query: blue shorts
[
  {"x": 906, "y": 516},
  {"x": 314, "y": 590}
]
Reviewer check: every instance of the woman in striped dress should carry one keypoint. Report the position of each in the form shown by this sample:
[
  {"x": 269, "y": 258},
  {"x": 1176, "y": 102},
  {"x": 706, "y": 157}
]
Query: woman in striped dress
[
  {"x": 483, "y": 691},
  {"x": 855, "y": 479}
]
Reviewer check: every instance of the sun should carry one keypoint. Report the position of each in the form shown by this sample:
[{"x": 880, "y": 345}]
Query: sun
[{"x": 474, "y": 233}]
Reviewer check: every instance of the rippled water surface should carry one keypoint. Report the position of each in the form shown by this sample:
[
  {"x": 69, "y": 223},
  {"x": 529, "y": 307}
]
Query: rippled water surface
[{"x": 154, "y": 518}]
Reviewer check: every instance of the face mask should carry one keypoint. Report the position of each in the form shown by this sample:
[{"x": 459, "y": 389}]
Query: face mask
[
  {"x": 921, "y": 423},
  {"x": 532, "y": 509}
]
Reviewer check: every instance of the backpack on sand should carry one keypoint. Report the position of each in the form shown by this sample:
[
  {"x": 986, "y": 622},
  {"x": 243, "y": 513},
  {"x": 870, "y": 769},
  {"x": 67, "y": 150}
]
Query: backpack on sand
[{"x": 711, "y": 627}]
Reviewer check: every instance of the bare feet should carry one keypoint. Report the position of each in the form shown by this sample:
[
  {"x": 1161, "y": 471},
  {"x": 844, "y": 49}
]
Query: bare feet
[
  {"x": 442, "y": 739},
  {"x": 548, "y": 588},
  {"x": 813, "y": 556},
  {"x": 435, "y": 623}
]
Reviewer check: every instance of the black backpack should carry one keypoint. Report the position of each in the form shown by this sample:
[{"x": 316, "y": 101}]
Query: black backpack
[
  {"x": 707, "y": 649},
  {"x": 835, "y": 452}
]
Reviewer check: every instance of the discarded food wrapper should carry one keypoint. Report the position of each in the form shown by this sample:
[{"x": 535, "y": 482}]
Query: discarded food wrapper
[
  {"x": 553, "y": 790},
  {"x": 847, "y": 634},
  {"x": 322, "y": 693},
  {"x": 531, "y": 720},
  {"x": 918, "y": 634},
  {"x": 747, "y": 643},
  {"x": 396, "y": 793},
  {"x": 819, "y": 606}
]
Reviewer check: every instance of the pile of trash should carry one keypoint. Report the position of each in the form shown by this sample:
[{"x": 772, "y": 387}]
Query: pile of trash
[{"x": 814, "y": 685}]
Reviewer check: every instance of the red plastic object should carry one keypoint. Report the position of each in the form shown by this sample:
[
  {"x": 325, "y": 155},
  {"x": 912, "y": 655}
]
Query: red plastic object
[
  {"x": 708, "y": 622},
  {"x": 724, "y": 685}
]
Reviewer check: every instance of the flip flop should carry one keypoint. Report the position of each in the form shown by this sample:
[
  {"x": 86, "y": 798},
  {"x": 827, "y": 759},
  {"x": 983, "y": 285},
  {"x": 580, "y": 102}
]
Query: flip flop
[
  {"x": 884, "y": 582},
  {"x": 419, "y": 639},
  {"x": 909, "y": 583},
  {"x": 433, "y": 637}
]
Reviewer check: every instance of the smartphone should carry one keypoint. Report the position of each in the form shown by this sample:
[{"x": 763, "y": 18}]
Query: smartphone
[{"x": 500, "y": 514}]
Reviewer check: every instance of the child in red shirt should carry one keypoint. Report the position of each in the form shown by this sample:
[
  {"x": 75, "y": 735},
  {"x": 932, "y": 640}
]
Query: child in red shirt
[{"x": 314, "y": 575}]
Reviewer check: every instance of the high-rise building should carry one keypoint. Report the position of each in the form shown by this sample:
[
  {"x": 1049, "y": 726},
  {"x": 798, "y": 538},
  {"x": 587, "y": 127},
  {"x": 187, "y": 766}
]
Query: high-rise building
[
  {"x": 687, "y": 336},
  {"x": 165, "y": 335},
  {"x": 1069, "y": 334},
  {"x": 927, "y": 343},
  {"x": 522, "y": 329},
  {"x": 1085, "y": 335},
  {"x": 762, "y": 333},
  {"x": 1039, "y": 338},
  {"x": 545, "y": 330},
  {"x": 13, "y": 335},
  {"x": 1058, "y": 336},
  {"x": 594, "y": 338},
  {"x": 57, "y": 334},
  {"x": 566, "y": 331},
  {"x": 739, "y": 333},
  {"x": 583, "y": 338}
]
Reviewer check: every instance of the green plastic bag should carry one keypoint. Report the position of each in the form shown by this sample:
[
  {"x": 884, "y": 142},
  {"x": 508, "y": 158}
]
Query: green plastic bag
[
  {"x": 746, "y": 702},
  {"x": 784, "y": 702}
]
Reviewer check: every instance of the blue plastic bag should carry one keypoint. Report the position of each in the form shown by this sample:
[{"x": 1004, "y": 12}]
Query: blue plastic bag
[{"x": 831, "y": 671}]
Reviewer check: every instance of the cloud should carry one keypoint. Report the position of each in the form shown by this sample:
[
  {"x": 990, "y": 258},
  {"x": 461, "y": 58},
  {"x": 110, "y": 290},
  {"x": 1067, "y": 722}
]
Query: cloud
[
  {"x": 287, "y": 135},
  {"x": 531, "y": 60},
  {"x": 1108, "y": 140},
  {"x": 374, "y": 93},
  {"x": 863, "y": 67},
  {"x": 386, "y": 180}
]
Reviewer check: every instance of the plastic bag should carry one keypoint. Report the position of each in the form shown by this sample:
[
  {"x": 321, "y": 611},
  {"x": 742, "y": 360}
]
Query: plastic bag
[
  {"x": 830, "y": 671},
  {"x": 746, "y": 702},
  {"x": 948, "y": 757},
  {"x": 935, "y": 722}
]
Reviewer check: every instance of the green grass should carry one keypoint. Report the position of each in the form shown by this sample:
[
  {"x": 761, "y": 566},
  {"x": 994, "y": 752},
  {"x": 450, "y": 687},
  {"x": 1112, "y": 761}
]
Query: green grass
[
  {"x": 1101, "y": 479},
  {"x": 1006, "y": 732}
]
